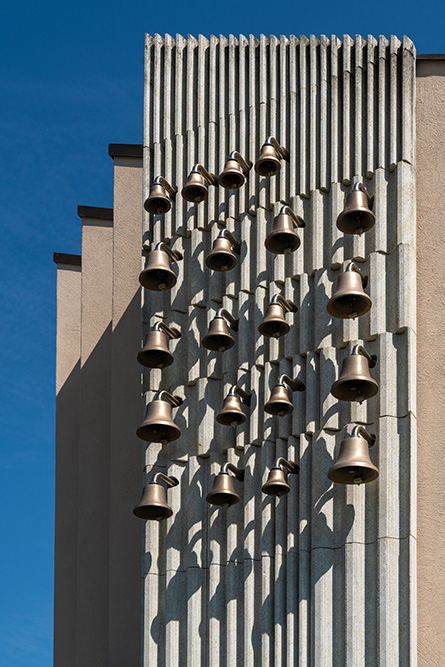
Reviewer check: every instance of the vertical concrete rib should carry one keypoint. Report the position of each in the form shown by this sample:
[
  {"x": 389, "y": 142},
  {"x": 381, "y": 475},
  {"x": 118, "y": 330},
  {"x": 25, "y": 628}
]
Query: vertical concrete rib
[{"x": 269, "y": 580}]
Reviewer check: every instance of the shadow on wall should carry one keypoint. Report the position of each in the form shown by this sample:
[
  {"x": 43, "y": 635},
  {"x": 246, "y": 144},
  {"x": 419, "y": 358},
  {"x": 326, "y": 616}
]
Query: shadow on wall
[
  {"x": 231, "y": 571},
  {"x": 98, "y": 476}
]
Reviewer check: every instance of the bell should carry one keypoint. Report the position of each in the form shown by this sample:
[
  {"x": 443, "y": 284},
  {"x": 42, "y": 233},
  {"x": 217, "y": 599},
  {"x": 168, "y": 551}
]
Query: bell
[
  {"x": 153, "y": 504},
  {"x": 158, "y": 274},
  {"x": 218, "y": 337},
  {"x": 223, "y": 492},
  {"x": 195, "y": 189},
  {"x": 221, "y": 257},
  {"x": 276, "y": 484},
  {"x": 279, "y": 403},
  {"x": 356, "y": 216},
  {"x": 282, "y": 239},
  {"x": 355, "y": 383},
  {"x": 155, "y": 353},
  {"x": 274, "y": 325},
  {"x": 349, "y": 299},
  {"x": 157, "y": 201},
  {"x": 268, "y": 164},
  {"x": 232, "y": 177},
  {"x": 231, "y": 413},
  {"x": 353, "y": 465},
  {"x": 158, "y": 425}
]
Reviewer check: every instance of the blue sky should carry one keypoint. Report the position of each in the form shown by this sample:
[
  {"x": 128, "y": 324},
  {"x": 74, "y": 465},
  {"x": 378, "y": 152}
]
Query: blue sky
[{"x": 71, "y": 83}]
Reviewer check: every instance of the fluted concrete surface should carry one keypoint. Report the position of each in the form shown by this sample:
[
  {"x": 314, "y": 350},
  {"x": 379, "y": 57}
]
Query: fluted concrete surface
[{"x": 325, "y": 575}]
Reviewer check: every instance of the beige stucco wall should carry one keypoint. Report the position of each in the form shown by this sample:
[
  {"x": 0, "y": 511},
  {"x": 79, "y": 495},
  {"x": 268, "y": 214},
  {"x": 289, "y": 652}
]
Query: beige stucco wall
[
  {"x": 431, "y": 360},
  {"x": 99, "y": 461},
  {"x": 67, "y": 438}
]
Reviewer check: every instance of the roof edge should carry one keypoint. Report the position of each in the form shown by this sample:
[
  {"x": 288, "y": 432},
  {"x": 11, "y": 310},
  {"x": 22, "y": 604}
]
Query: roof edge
[
  {"x": 430, "y": 56},
  {"x": 125, "y": 150},
  {"x": 63, "y": 258},
  {"x": 95, "y": 212}
]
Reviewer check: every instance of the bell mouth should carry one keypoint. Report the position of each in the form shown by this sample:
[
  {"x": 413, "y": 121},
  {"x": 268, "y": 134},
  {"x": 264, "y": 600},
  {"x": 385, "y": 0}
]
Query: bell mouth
[
  {"x": 355, "y": 222},
  {"x": 231, "y": 181},
  {"x": 282, "y": 243},
  {"x": 278, "y": 409},
  {"x": 231, "y": 419},
  {"x": 354, "y": 390},
  {"x": 157, "y": 205},
  {"x": 267, "y": 167},
  {"x": 217, "y": 343},
  {"x": 274, "y": 329},
  {"x": 222, "y": 499},
  {"x": 349, "y": 306},
  {"x": 160, "y": 432},
  {"x": 194, "y": 193},
  {"x": 153, "y": 512},
  {"x": 157, "y": 279},
  {"x": 356, "y": 474},
  {"x": 277, "y": 490},
  {"x": 154, "y": 358},
  {"x": 221, "y": 261}
]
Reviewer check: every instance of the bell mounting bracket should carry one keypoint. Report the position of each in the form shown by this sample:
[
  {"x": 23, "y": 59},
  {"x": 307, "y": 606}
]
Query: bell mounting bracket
[
  {"x": 174, "y": 255},
  {"x": 233, "y": 322},
  {"x": 208, "y": 176},
  {"x": 282, "y": 152},
  {"x": 224, "y": 233},
  {"x": 359, "y": 186},
  {"x": 169, "y": 331},
  {"x": 294, "y": 385},
  {"x": 372, "y": 358},
  {"x": 160, "y": 180},
  {"x": 290, "y": 466},
  {"x": 296, "y": 219},
  {"x": 360, "y": 432},
  {"x": 287, "y": 305},
  {"x": 352, "y": 266},
  {"x": 236, "y": 389},
  {"x": 169, "y": 480},
  {"x": 164, "y": 395},
  {"x": 239, "y": 474},
  {"x": 246, "y": 165}
]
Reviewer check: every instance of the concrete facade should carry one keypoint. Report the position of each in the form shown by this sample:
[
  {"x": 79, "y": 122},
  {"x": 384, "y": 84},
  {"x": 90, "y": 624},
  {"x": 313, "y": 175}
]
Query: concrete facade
[{"x": 326, "y": 575}]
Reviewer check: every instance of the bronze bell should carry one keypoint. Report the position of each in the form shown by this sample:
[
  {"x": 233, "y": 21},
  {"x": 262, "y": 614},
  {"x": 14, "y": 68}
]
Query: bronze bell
[
  {"x": 274, "y": 325},
  {"x": 276, "y": 484},
  {"x": 349, "y": 299},
  {"x": 355, "y": 383},
  {"x": 158, "y": 425},
  {"x": 283, "y": 239},
  {"x": 218, "y": 338},
  {"x": 223, "y": 492},
  {"x": 158, "y": 275},
  {"x": 234, "y": 173},
  {"x": 231, "y": 413},
  {"x": 153, "y": 504},
  {"x": 268, "y": 163},
  {"x": 279, "y": 403},
  {"x": 222, "y": 256},
  {"x": 195, "y": 190},
  {"x": 356, "y": 216},
  {"x": 157, "y": 201},
  {"x": 353, "y": 465},
  {"x": 155, "y": 353}
]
